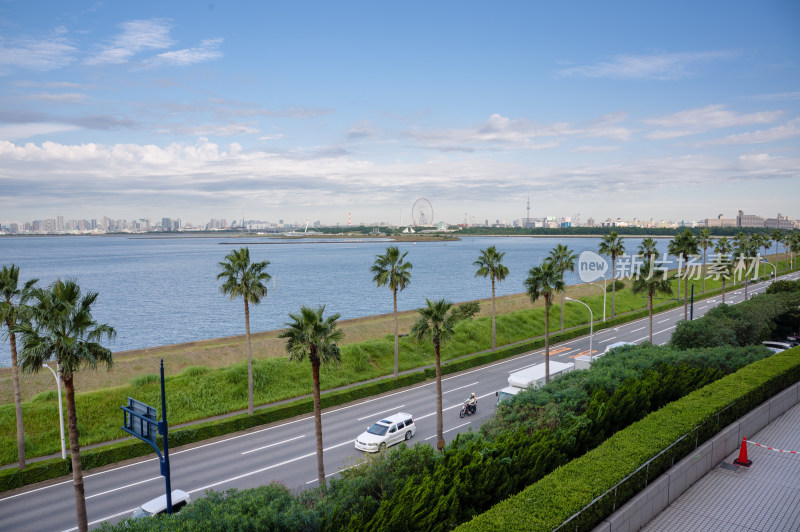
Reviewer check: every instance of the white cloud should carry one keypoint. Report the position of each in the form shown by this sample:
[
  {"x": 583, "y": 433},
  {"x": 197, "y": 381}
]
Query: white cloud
[
  {"x": 208, "y": 50},
  {"x": 64, "y": 97},
  {"x": 694, "y": 121},
  {"x": 23, "y": 131},
  {"x": 788, "y": 130},
  {"x": 660, "y": 66},
  {"x": 136, "y": 36},
  {"x": 594, "y": 149},
  {"x": 778, "y": 97},
  {"x": 206, "y": 177},
  {"x": 500, "y": 132},
  {"x": 211, "y": 129},
  {"x": 46, "y": 53}
]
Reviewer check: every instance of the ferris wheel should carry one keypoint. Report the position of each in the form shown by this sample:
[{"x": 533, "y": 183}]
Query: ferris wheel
[{"x": 422, "y": 213}]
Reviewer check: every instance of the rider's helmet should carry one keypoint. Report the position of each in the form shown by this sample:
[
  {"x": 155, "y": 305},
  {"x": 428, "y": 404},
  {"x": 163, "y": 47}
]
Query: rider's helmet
[{"x": 473, "y": 394}]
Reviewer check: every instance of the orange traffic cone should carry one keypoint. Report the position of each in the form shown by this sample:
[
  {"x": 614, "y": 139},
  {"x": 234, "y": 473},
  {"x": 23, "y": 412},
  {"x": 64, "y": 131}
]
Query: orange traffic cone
[{"x": 742, "y": 460}]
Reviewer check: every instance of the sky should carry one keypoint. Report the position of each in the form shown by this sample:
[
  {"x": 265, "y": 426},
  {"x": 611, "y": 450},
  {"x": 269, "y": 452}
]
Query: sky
[{"x": 328, "y": 110}]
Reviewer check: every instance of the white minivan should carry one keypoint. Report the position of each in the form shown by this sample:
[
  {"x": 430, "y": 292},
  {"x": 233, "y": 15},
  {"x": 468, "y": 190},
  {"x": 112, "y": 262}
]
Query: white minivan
[
  {"x": 386, "y": 433},
  {"x": 158, "y": 505}
]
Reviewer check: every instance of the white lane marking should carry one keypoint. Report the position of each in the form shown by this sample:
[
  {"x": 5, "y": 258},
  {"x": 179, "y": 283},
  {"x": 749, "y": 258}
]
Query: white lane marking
[
  {"x": 106, "y": 518},
  {"x": 380, "y": 413},
  {"x": 123, "y": 487},
  {"x": 274, "y": 444},
  {"x": 662, "y": 321},
  {"x": 449, "y": 430},
  {"x": 604, "y": 340},
  {"x": 273, "y": 466},
  {"x": 331, "y": 474},
  {"x": 462, "y": 387},
  {"x": 637, "y": 330}
]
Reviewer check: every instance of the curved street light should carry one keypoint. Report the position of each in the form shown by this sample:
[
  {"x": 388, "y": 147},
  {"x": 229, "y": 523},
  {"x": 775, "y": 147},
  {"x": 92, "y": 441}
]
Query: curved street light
[
  {"x": 591, "y": 325},
  {"x": 774, "y": 269},
  {"x": 60, "y": 412},
  {"x": 604, "y": 297}
]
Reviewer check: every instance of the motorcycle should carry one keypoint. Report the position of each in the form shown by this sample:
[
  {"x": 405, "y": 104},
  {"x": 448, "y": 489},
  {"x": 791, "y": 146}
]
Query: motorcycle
[{"x": 468, "y": 409}]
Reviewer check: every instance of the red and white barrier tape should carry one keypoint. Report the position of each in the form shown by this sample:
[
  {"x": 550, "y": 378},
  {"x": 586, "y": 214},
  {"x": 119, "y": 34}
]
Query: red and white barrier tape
[{"x": 772, "y": 448}]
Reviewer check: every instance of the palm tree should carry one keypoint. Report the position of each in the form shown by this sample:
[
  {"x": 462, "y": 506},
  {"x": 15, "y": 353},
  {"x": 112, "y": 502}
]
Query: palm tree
[
  {"x": 746, "y": 249},
  {"x": 62, "y": 328},
  {"x": 705, "y": 242},
  {"x": 777, "y": 236},
  {"x": 651, "y": 285},
  {"x": 684, "y": 245},
  {"x": 310, "y": 335},
  {"x": 244, "y": 279},
  {"x": 563, "y": 260},
  {"x": 794, "y": 244},
  {"x": 765, "y": 242},
  {"x": 612, "y": 246},
  {"x": 489, "y": 265},
  {"x": 648, "y": 249},
  {"x": 544, "y": 281},
  {"x": 437, "y": 323},
  {"x": 722, "y": 262},
  {"x": 389, "y": 269},
  {"x": 12, "y": 309}
]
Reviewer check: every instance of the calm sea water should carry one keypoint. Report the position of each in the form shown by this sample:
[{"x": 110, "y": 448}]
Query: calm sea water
[{"x": 159, "y": 291}]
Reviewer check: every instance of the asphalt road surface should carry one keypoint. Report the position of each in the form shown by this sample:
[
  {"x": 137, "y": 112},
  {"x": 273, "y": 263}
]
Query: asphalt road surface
[{"x": 286, "y": 451}]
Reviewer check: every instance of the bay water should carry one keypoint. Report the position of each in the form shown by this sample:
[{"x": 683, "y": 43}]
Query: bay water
[{"x": 164, "y": 290}]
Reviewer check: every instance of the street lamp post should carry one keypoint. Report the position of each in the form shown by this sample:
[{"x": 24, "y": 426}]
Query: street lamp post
[
  {"x": 591, "y": 325},
  {"x": 604, "y": 297},
  {"x": 774, "y": 269},
  {"x": 60, "y": 412}
]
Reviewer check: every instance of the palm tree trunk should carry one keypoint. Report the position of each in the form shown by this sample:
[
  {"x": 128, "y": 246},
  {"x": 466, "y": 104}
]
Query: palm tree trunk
[
  {"x": 318, "y": 420},
  {"x": 704, "y": 270},
  {"x": 650, "y": 313},
  {"x": 75, "y": 454},
  {"x": 250, "y": 407},
  {"x": 439, "y": 419},
  {"x": 562, "y": 303},
  {"x": 17, "y": 399},
  {"x": 723, "y": 290},
  {"x": 546, "y": 341},
  {"x": 613, "y": 287},
  {"x": 493, "y": 327},
  {"x": 396, "y": 349},
  {"x": 686, "y": 300}
]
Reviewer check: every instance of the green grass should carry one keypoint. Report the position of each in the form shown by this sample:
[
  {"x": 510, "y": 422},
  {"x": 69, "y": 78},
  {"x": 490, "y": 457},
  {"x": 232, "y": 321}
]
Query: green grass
[{"x": 199, "y": 392}]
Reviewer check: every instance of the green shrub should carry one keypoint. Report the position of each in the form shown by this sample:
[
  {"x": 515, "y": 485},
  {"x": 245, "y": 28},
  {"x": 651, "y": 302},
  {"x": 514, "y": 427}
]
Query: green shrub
[
  {"x": 617, "y": 285},
  {"x": 550, "y": 501}
]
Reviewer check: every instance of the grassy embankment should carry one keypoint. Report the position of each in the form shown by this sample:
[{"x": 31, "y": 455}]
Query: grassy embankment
[{"x": 209, "y": 378}]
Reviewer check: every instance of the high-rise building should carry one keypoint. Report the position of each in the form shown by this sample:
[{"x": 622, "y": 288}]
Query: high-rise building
[
  {"x": 749, "y": 220},
  {"x": 166, "y": 224}
]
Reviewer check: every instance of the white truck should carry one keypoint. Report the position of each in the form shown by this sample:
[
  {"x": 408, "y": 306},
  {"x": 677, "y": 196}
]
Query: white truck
[
  {"x": 585, "y": 361},
  {"x": 532, "y": 376}
]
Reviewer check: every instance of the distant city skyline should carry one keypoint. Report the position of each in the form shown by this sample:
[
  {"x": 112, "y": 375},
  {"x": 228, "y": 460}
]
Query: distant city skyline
[
  {"x": 60, "y": 224},
  {"x": 671, "y": 110}
]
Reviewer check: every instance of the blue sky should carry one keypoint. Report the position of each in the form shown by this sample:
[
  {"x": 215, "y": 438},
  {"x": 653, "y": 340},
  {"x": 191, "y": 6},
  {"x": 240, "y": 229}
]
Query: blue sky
[{"x": 294, "y": 110}]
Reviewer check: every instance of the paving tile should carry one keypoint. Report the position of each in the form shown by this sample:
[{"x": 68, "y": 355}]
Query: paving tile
[{"x": 762, "y": 498}]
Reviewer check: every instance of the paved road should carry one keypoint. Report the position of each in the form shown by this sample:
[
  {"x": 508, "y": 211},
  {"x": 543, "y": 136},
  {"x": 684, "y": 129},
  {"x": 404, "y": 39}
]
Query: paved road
[{"x": 286, "y": 452}]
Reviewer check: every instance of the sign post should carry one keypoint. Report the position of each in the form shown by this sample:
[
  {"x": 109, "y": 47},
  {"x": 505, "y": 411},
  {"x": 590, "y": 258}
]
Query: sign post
[{"x": 141, "y": 420}]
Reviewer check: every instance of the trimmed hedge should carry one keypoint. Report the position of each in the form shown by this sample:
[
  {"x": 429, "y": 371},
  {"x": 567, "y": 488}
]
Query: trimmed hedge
[{"x": 555, "y": 498}]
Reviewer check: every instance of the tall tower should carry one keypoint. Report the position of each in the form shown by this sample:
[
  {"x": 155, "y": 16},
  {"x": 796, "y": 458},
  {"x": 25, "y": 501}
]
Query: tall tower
[{"x": 528, "y": 218}]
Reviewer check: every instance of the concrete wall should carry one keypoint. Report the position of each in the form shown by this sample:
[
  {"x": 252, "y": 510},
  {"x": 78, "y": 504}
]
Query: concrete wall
[{"x": 660, "y": 493}]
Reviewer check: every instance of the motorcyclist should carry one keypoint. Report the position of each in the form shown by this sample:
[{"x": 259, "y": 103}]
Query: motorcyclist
[{"x": 472, "y": 403}]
